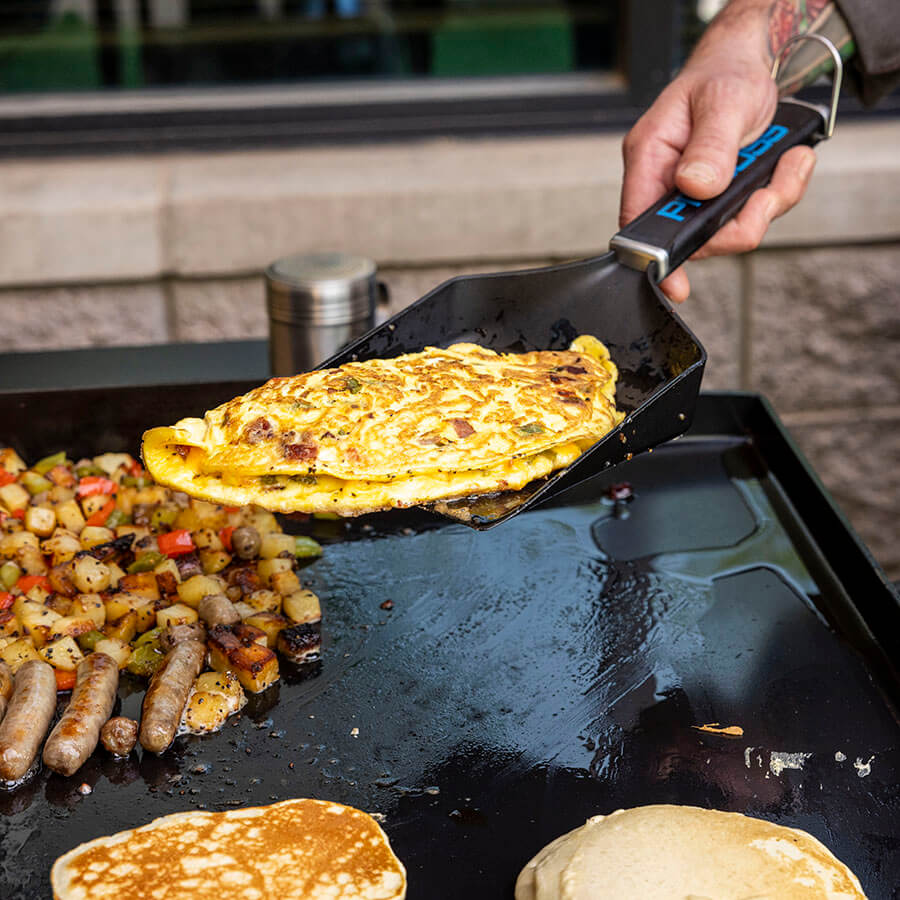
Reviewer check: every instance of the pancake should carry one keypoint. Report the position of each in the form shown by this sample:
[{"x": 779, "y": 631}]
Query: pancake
[
  {"x": 294, "y": 850},
  {"x": 685, "y": 853},
  {"x": 384, "y": 433}
]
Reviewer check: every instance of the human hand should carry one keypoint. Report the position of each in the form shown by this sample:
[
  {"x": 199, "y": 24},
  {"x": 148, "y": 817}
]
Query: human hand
[{"x": 723, "y": 99}]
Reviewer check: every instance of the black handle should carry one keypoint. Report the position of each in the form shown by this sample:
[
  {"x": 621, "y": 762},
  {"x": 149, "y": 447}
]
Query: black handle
[{"x": 677, "y": 226}]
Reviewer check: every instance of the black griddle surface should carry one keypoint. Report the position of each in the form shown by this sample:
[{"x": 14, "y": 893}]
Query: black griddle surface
[{"x": 542, "y": 672}]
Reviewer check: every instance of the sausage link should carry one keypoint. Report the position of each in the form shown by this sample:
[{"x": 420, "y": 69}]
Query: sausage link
[
  {"x": 77, "y": 733},
  {"x": 217, "y": 609},
  {"x": 167, "y": 695},
  {"x": 6, "y": 687},
  {"x": 119, "y": 735},
  {"x": 172, "y": 635},
  {"x": 27, "y": 719}
]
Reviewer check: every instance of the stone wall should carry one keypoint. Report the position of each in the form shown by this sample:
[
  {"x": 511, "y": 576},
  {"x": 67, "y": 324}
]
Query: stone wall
[{"x": 154, "y": 249}]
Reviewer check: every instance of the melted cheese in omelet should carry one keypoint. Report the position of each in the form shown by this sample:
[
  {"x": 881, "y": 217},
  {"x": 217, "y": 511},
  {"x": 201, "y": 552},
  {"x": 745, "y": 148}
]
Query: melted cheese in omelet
[{"x": 399, "y": 432}]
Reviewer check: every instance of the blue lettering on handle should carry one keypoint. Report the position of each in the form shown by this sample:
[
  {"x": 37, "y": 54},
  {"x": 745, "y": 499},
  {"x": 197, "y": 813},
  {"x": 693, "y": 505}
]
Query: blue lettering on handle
[{"x": 675, "y": 208}]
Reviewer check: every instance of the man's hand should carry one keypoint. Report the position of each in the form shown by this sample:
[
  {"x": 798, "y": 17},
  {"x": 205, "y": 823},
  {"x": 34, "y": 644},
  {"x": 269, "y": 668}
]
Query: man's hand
[{"x": 723, "y": 99}]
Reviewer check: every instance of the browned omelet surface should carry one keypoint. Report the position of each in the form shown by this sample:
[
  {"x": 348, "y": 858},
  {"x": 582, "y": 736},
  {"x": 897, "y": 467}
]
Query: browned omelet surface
[{"x": 385, "y": 433}]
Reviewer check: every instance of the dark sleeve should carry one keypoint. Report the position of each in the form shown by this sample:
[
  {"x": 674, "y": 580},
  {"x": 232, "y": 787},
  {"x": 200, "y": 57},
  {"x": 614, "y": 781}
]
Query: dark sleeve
[{"x": 876, "y": 31}]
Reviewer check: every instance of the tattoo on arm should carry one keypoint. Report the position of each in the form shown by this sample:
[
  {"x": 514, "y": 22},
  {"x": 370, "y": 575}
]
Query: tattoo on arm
[{"x": 807, "y": 60}]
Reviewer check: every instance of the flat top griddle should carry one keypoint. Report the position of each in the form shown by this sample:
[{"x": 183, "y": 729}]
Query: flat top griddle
[{"x": 528, "y": 677}]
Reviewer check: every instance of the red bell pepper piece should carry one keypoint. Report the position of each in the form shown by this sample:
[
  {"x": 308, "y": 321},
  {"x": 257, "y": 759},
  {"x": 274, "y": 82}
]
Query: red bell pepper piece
[
  {"x": 176, "y": 543},
  {"x": 27, "y": 582},
  {"x": 18, "y": 514},
  {"x": 135, "y": 469},
  {"x": 6, "y": 599},
  {"x": 6, "y": 477},
  {"x": 95, "y": 484},
  {"x": 102, "y": 514},
  {"x": 231, "y": 509},
  {"x": 65, "y": 680},
  {"x": 225, "y": 536}
]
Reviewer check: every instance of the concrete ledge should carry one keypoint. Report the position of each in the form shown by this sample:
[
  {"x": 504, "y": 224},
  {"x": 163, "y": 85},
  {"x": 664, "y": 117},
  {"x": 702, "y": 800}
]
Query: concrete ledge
[{"x": 422, "y": 203}]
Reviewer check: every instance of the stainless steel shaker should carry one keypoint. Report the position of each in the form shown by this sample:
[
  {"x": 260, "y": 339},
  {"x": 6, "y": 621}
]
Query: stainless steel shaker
[{"x": 318, "y": 303}]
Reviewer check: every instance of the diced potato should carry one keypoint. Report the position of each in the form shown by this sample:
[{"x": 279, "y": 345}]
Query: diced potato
[
  {"x": 224, "y": 683},
  {"x": 178, "y": 614},
  {"x": 92, "y": 535},
  {"x": 62, "y": 654},
  {"x": 300, "y": 643},
  {"x": 124, "y": 628},
  {"x": 11, "y": 461},
  {"x": 264, "y": 601},
  {"x": 115, "y": 648},
  {"x": 302, "y": 606},
  {"x": 117, "y": 605},
  {"x": 205, "y": 712},
  {"x": 38, "y": 623},
  {"x": 10, "y": 543},
  {"x": 91, "y": 606},
  {"x": 40, "y": 520},
  {"x": 10, "y": 626},
  {"x": 285, "y": 583},
  {"x": 31, "y": 560},
  {"x": 109, "y": 462},
  {"x": 152, "y": 495},
  {"x": 244, "y": 609},
  {"x": 69, "y": 515},
  {"x": 268, "y": 567},
  {"x": 13, "y": 496},
  {"x": 254, "y": 664},
  {"x": 22, "y": 605},
  {"x": 207, "y": 539},
  {"x": 261, "y": 519},
  {"x": 213, "y": 561},
  {"x": 71, "y": 626},
  {"x": 37, "y": 594},
  {"x": 93, "y": 504},
  {"x": 115, "y": 574},
  {"x": 143, "y": 583},
  {"x": 197, "y": 587},
  {"x": 18, "y": 652},
  {"x": 139, "y": 531},
  {"x": 89, "y": 575},
  {"x": 59, "y": 604},
  {"x": 269, "y": 622},
  {"x": 274, "y": 543},
  {"x": 168, "y": 565},
  {"x": 61, "y": 546}
]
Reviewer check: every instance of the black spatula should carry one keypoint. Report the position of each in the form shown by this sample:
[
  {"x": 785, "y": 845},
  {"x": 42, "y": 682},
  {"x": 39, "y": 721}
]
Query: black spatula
[{"x": 613, "y": 297}]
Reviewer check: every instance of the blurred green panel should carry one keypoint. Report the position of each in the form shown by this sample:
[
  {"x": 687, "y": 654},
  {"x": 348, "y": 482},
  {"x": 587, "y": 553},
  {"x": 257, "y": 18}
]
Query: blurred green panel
[
  {"x": 514, "y": 44},
  {"x": 61, "y": 58}
]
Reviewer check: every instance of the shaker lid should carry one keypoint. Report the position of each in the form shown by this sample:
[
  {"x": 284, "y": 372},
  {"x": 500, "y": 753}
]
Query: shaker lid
[{"x": 312, "y": 269}]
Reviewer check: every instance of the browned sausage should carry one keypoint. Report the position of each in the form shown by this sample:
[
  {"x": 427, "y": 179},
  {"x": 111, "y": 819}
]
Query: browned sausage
[
  {"x": 172, "y": 635},
  {"x": 6, "y": 687},
  {"x": 217, "y": 609},
  {"x": 119, "y": 735},
  {"x": 76, "y": 734},
  {"x": 27, "y": 719},
  {"x": 167, "y": 695}
]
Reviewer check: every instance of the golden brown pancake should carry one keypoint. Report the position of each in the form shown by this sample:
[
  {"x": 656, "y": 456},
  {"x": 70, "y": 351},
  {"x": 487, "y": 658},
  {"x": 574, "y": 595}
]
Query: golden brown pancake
[
  {"x": 685, "y": 853},
  {"x": 295, "y": 850},
  {"x": 383, "y": 433}
]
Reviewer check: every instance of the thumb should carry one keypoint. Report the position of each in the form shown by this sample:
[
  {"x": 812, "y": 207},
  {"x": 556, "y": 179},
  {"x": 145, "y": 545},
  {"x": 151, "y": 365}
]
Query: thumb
[{"x": 725, "y": 114}]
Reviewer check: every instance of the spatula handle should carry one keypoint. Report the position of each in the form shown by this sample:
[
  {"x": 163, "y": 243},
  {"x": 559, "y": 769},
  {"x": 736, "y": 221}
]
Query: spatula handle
[{"x": 675, "y": 227}]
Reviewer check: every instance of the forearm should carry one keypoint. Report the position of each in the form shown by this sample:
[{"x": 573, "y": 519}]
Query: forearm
[{"x": 762, "y": 27}]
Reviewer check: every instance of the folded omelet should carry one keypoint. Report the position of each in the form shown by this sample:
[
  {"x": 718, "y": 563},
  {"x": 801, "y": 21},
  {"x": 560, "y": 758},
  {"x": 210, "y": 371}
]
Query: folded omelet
[{"x": 384, "y": 433}]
